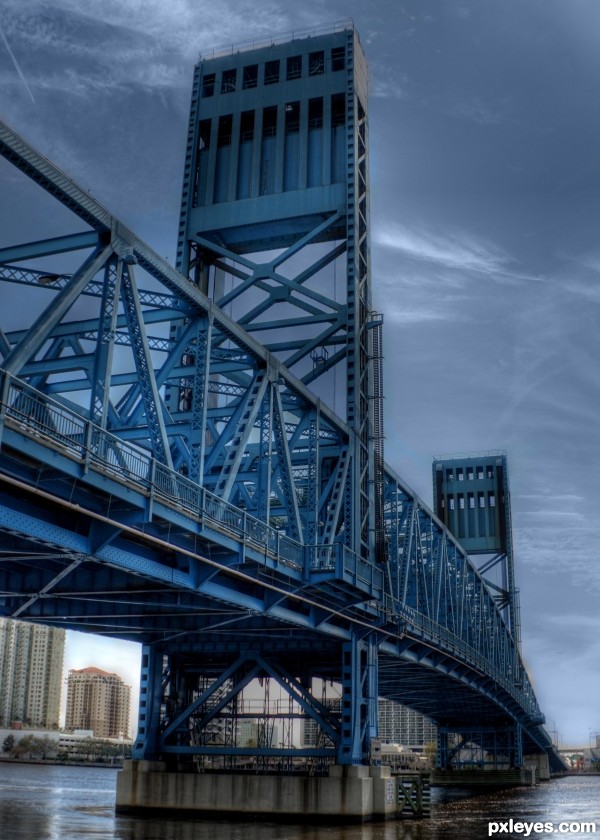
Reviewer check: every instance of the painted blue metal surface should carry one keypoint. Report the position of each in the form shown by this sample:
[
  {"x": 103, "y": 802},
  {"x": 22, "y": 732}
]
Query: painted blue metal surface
[
  {"x": 472, "y": 497},
  {"x": 168, "y": 478}
]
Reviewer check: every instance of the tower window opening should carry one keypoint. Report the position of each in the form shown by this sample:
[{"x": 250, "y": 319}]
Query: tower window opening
[
  {"x": 338, "y": 58},
  {"x": 208, "y": 85},
  {"x": 270, "y": 122},
  {"x": 250, "y": 76},
  {"x": 228, "y": 81},
  {"x": 204, "y": 135},
  {"x": 315, "y": 113},
  {"x": 292, "y": 117},
  {"x": 247, "y": 126},
  {"x": 294, "y": 67},
  {"x": 272, "y": 72},
  {"x": 338, "y": 110},
  {"x": 225, "y": 127},
  {"x": 316, "y": 63}
]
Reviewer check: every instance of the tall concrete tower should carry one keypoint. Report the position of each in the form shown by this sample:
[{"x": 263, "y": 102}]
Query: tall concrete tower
[{"x": 31, "y": 665}]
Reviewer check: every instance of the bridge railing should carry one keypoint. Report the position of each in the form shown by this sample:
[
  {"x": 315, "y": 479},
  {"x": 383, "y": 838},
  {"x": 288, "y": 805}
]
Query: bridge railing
[
  {"x": 416, "y": 621},
  {"x": 39, "y": 416},
  {"x": 55, "y": 425}
]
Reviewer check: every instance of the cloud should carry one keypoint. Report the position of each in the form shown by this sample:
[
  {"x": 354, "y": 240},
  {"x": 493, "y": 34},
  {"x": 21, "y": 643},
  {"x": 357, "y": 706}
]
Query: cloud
[
  {"x": 148, "y": 43},
  {"x": 485, "y": 113},
  {"x": 384, "y": 88},
  {"x": 565, "y": 543},
  {"x": 455, "y": 250}
]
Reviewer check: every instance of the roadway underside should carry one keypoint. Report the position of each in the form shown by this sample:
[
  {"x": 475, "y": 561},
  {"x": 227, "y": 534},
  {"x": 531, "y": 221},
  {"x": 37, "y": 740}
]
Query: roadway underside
[{"x": 86, "y": 552}]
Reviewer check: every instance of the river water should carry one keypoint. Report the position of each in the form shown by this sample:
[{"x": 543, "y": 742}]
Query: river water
[{"x": 46, "y": 802}]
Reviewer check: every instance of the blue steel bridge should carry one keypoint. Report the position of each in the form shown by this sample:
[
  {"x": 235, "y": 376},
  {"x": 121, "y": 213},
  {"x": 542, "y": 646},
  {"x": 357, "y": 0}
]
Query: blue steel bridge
[{"x": 177, "y": 476}]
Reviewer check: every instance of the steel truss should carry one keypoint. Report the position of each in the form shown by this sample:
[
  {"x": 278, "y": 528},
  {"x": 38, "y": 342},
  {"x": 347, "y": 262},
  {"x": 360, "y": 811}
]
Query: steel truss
[
  {"x": 123, "y": 517},
  {"x": 495, "y": 747}
]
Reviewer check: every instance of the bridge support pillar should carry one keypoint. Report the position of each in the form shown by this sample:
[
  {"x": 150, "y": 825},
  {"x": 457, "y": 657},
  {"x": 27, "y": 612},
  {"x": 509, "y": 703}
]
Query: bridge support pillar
[
  {"x": 359, "y": 700},
  {"x": 151, "y": 696},
  {"x": 348, "y": 794},
  {"x": 538, "y": 765}
]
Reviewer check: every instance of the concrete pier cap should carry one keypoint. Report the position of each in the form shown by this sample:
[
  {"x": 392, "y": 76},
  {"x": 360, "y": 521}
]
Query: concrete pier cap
[{"x": 350, "y": 793}]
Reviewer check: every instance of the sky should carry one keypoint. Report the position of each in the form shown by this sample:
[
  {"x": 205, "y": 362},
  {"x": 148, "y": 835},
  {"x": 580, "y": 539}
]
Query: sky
[{"x": 485, "y": 200}]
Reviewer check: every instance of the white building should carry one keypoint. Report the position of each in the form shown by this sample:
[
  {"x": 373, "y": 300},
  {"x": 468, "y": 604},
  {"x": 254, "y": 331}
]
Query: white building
[
  {"x": 252, "y": 733},
  {"x": 400, "y": 725}
]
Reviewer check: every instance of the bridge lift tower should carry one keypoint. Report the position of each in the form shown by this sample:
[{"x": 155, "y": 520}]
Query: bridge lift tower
[
  {"x": 274, "y": 229},
  {"x": 471, "y": 496}
]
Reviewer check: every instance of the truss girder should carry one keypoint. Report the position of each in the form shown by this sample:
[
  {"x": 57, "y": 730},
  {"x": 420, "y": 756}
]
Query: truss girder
[
  {"x": 43, "y": 326},
  {"x": 431, "y": 607},
  {"x": 144, "y": 367}
]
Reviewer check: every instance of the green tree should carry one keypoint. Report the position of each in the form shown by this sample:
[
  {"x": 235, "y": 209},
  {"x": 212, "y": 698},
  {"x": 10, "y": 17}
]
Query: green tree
[
  {"x": 25, "y": 746},
  {"x": 42, "y": 746},
  {"x": 430, "y": 753},
  {"x": 8, "y": 743}
]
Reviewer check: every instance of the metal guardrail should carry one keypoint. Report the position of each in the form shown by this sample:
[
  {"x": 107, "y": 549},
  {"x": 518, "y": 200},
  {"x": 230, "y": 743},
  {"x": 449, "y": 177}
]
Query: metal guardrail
[
  {"x": 272, "y": 40},
  {"x": 39, "y": 416},
  {"x": 466, "y": 652}
]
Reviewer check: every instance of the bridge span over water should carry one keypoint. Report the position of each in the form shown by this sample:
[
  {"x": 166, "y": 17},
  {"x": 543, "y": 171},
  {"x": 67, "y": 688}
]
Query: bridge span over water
[{"x": 173, "y": 471}]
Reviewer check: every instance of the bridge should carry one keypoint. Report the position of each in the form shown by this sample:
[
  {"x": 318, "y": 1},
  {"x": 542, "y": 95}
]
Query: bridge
[{"x": 192, "y": 457}]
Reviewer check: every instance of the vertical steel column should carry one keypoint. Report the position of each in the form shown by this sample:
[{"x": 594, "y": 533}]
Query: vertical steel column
[
  {"x": 518, "y": 746},
  {"x": 200, "y": 398},
  {"x": 100, "y": 390},
  {"x": 358, "y": 296},
  {"x": 150, "y": 707},
  {"x": 441, "y": 760},
  {"x": 313, "y": 489},
  {"x": 265, "y": 457},
  {"x": 359, "y": 700}
]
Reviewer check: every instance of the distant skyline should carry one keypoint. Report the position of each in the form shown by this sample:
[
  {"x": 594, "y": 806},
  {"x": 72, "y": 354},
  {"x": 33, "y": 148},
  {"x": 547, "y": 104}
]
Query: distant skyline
[{"x": 485, "y": 200}]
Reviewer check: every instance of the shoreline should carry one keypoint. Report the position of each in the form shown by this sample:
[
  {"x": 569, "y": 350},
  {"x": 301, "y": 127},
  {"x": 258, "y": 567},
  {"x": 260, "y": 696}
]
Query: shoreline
[{"x": 55, "y": 763}]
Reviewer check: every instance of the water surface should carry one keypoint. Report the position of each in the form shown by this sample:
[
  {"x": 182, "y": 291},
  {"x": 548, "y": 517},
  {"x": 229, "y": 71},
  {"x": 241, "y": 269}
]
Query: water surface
[{"x": 47, "y": 802}]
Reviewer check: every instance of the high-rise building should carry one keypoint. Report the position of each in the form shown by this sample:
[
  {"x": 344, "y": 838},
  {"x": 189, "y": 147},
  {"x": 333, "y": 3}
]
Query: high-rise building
[
  {"x": 31, "y": 666},
  {"x": 252, "y": 733},
  {"x": 99, "y": 701},
  {"x": 397, "y": 724},
  {"x": 400, "y": 725}
]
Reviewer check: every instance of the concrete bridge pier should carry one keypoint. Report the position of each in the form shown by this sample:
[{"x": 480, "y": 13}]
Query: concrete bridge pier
[
  {"x": 350, "y": 793},
  {"x": 539, "y": 765}
]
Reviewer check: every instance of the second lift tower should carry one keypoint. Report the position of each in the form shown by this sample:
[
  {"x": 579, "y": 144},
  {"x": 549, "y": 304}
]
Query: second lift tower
[{"x": 472, "y": 498}]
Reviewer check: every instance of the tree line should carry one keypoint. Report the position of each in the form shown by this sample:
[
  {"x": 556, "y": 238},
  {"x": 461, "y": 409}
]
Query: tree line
[{"x": 43, "y": 747}]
